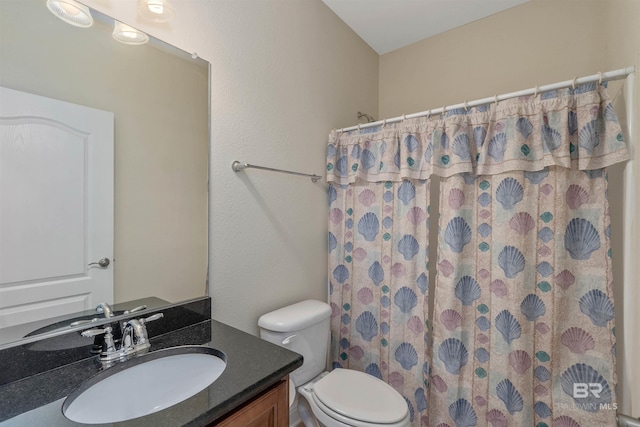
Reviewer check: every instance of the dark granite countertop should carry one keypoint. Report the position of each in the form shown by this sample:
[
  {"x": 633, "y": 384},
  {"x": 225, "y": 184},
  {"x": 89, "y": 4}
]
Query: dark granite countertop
[{"x": 253, "y": 365}]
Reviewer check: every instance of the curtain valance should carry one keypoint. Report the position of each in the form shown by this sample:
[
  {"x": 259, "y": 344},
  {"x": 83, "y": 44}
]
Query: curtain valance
[{"x": 572, "y": 128}]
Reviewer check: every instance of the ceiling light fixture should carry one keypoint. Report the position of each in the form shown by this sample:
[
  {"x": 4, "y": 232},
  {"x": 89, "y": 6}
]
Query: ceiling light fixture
[
  {"x": 128, "y": 35},
  {"x": 156, "y": 10},
  {"x": 71, "y": 12}
]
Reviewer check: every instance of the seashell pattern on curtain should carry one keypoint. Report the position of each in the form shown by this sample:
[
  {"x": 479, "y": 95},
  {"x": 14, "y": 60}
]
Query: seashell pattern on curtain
[
  {"x": 537, "y": 320},
  {"x": 523, "y": 303},
  {"x": 575, "y": 129},
  {"x": 378, "y": 282}
]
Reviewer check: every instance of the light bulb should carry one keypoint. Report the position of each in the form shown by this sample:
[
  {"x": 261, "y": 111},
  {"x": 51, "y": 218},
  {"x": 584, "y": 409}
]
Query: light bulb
[
  {"x": 128, "y": 35},
  {"x": 70, "y": 9},
  {"x": 156, "y": 10},
  {"x": 71, "y": 12}
]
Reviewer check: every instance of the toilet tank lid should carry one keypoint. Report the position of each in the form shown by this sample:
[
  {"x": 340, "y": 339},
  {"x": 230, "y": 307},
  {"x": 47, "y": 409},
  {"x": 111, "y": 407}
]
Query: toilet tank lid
[{"x": 295, "y": 317}]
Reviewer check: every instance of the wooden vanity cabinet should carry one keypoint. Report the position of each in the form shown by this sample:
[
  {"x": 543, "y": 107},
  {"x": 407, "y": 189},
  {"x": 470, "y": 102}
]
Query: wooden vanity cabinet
[{"x": 270, "y": 409}]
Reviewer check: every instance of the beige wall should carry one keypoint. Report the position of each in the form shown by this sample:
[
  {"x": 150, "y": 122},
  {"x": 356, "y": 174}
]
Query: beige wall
[
  {"x": 542, "y": 41},
  {"x": 537, "y": 43},
  {"x": 284, "y": 73},
  {"x": 161, "y": 140}
]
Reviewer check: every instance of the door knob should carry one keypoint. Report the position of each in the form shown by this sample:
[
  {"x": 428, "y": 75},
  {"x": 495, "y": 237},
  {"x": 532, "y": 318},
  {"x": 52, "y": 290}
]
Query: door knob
[{"x": 104, "y": 262}]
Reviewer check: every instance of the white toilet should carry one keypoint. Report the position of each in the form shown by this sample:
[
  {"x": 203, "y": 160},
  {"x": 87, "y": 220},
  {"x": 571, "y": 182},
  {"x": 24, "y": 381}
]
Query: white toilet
[{"x": 342, "y": 397}]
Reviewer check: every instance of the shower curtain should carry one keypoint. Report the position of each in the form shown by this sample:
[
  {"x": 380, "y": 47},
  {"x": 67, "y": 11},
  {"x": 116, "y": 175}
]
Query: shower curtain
[
  {"x": 523, "y": 321},
  {"x": 378, "y": 272}
]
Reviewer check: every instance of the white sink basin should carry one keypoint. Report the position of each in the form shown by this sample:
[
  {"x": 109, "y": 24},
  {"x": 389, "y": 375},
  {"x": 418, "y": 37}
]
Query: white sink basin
[{"x": 144, "y": 385}]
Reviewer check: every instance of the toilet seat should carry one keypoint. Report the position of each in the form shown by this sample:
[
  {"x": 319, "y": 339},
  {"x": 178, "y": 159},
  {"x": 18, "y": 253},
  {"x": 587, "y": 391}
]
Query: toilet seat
[{"x": 357, "y": 399}]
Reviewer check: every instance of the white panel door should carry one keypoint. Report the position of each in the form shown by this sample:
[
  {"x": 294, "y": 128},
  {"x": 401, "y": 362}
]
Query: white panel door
[{"x": 56, "y": 207}]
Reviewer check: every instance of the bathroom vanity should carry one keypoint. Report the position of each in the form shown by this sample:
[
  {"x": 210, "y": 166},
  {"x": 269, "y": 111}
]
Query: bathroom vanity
[
  {"x": 270, "y": 409},
  {"x": 252, "y": 389}
]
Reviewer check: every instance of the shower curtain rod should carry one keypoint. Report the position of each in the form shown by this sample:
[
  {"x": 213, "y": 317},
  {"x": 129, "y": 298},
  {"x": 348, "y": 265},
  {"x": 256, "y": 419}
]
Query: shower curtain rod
[
  {"x": 599, "y": 77},
  {"x": 238, "y": 166}
]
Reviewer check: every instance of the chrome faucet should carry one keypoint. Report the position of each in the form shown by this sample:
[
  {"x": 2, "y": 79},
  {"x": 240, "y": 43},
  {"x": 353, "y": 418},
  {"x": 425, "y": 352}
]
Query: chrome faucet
[
  {"x": 135, "y": 340},
  {"x": 134, "y": 334},
  {"x": 105, "y": 308}
]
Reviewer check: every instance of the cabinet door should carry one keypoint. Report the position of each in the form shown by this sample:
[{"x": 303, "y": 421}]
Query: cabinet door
[{"x": 270, "y": 409}]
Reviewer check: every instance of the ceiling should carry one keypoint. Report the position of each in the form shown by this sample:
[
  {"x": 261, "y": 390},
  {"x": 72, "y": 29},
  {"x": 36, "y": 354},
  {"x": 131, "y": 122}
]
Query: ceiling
[{"x": 387, "y": 25}]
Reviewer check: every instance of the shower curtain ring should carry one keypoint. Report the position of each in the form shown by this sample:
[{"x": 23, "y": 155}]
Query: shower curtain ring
[
  {"x": 359, "y": 124},
  {"x": 536, "y": 92},
  {"x": 573, "y": 83},
  {"x": 495, "y": 99},
  {"x": 384, "y": 123},
  {"x": 599, "y": 77},
  {"x": 465, "y": 106}
]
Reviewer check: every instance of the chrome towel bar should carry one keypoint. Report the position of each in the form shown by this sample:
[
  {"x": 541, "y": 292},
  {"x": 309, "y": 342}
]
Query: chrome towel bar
[{"x": 238, "y": 166}]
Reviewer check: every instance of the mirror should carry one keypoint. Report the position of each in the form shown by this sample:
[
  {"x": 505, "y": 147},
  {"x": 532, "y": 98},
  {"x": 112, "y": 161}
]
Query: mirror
[
  {"x": 159, "y": 96},
  {"x": 33, "y": 332}
]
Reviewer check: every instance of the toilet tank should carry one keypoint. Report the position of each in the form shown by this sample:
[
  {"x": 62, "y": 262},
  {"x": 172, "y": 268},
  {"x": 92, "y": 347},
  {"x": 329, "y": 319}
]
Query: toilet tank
[{"x": 304, "y": 328}]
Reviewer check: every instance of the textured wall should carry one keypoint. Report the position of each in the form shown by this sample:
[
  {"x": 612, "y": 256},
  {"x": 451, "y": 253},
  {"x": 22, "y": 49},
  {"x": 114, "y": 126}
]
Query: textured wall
[
  {"x": 537, "y": 43},
  {"x": 288, "y": 72}
]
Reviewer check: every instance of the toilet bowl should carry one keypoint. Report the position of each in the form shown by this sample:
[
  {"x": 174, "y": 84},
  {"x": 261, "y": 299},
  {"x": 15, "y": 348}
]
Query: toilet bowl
[
  {"x": 342, "y": 397},
  {"x": 294, "y": 418}
]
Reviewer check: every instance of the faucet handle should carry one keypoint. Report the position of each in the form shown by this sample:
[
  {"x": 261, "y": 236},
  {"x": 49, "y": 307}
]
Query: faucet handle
[
  {"x": 93, "y": 332},
  {"x": 108, "y": 345},
  {"x": 138, "y": 308},
  {"x": 152, "y": 318},
  {"x": 83, "y": 322}
]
